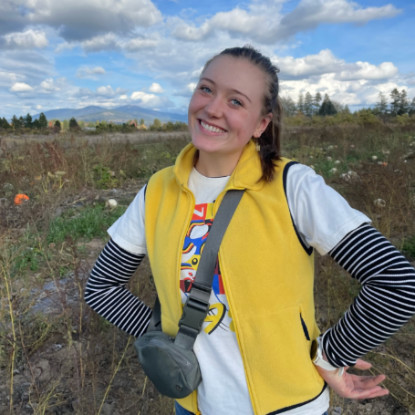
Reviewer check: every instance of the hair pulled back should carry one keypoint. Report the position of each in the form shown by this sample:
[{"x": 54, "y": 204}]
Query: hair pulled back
[{"x": 269, "y": 141}]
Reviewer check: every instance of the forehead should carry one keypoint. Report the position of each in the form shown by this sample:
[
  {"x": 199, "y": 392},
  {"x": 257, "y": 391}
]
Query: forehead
[{"x": 236, "y": 74}]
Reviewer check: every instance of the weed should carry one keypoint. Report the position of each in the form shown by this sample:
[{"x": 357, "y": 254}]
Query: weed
[{"x": 56, "y": 355}]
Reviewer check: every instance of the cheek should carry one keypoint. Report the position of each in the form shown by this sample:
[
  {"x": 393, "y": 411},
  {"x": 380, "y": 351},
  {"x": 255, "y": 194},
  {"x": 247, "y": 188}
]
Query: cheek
[{"x": 194, "y": 104}]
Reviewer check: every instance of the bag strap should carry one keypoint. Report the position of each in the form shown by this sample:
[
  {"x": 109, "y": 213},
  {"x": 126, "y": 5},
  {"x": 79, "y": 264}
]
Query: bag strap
[{"x": 197, "y": 304}]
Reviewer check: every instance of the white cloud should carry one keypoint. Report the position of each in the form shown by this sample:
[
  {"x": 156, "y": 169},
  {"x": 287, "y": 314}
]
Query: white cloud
[
  {"x": 90, "y": 72},
  {"x": 265, "y": 23},
  {"x": 309, "y": 65},
  {"x": 191, "y": 87},
  {"x": 80, "y": 19},
  {"x": 48, "y": 85},
  {"x": 311, "y": 13},
  {"x": 105, "y": 90},
  {"x": 148, "y": 100},
  {"x": 108, "y": 41},
  {"x": 139, "y": 43},
  {"x": 8, "y": 77},
  {"x": 366, "y": 70},
  {"x": 326, "y": 63},
  {"x": 156, "y": 88},
  {"x": 21, "y": 87},
  {"x": 25, "y": 40}
]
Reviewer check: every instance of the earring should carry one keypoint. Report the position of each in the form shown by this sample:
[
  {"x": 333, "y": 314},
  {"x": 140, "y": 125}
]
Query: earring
[{"x": 257, "y": 145}]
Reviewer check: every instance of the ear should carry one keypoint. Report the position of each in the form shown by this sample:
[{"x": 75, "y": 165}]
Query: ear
[{"x": 262, "y": 125}]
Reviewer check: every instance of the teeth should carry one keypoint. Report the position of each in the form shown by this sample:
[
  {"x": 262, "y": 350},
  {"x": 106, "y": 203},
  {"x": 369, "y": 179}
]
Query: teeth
[{"x": 211, "y": 128}]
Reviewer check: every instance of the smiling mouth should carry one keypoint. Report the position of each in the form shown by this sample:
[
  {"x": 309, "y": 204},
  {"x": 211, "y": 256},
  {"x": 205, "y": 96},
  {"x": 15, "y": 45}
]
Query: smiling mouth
[{"x": 211, "y": 128}]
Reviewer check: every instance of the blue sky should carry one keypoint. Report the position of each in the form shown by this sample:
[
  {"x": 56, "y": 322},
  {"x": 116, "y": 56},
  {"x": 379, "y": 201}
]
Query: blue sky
[{"x": 74, "y": 53}]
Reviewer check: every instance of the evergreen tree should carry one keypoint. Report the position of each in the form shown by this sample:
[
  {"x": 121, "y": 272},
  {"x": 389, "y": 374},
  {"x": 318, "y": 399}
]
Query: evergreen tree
[
  {"x": 300, "y": 104},
  {"x": 57, "y": 126},
  {"x": 28, "y": 121},
  {"x": 4, "y": 124},
  {"x": 316, "y": 103},
  {"x": 17, "y": 123},
  {"x": 394, "y": 105},
  {"x": 73, "y": 124},
  {"x": 412, "y": 107},
  {"x": 403, "y": 103},
  {"x": 327, "y": 107},
  {"x": 288, "y": 106},
  {"x": 43, "y": 122},
  {"x": 381, "y": 107},
  {"x": 308, "y": 105}
]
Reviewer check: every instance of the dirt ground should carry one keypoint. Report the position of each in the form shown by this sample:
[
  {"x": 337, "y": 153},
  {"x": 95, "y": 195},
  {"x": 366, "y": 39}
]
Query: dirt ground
[{"x": 57, "y": 362}]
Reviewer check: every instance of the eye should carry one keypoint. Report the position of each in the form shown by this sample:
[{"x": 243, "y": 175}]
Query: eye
[
  {"x": 205, "y": 89},
  {"x": 236, "y": 102}
]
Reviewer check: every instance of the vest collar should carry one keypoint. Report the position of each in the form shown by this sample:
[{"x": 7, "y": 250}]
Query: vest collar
[{"x": 245, "y": 176}]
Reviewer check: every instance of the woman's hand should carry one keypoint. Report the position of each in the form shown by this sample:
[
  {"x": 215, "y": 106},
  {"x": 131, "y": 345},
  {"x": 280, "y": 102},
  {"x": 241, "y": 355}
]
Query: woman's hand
[{"x": 354, "y": 386}]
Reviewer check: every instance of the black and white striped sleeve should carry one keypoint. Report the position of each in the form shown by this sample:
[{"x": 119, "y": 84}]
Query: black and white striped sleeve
[
  {"x": 385, "y": 302},
  {"x": 107, "y": 294}
]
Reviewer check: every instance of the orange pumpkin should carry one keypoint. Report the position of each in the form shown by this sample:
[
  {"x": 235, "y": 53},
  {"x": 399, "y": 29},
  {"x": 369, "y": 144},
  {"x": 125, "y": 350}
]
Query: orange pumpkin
[{"x": 20, "y": 198}]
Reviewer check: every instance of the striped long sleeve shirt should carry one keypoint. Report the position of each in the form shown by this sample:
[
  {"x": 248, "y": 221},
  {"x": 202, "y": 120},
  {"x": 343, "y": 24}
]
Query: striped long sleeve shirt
[{"x": 385, "y": 302}]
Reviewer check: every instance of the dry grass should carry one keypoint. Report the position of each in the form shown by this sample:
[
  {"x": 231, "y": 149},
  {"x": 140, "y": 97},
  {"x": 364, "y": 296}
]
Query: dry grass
[{"x": 59, "y": 357}]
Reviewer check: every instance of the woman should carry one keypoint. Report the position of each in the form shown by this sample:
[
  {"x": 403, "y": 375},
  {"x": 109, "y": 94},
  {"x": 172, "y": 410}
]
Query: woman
[{"x": 259, "y": 350}]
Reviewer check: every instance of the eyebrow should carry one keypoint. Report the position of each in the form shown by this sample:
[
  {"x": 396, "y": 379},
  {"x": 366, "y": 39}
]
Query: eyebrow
[{"x": 232, "y": 90}]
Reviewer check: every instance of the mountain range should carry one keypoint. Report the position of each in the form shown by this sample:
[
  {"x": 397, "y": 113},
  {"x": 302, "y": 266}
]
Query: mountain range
[{"x": 116, "y": 115}]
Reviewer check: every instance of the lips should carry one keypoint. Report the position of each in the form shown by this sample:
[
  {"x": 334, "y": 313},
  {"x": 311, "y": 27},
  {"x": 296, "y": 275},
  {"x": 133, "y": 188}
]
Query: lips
[{"x": 211, "y": 128}]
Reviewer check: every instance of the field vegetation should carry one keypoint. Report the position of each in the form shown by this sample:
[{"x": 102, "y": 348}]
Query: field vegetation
[{"x": 59, "y": 357}]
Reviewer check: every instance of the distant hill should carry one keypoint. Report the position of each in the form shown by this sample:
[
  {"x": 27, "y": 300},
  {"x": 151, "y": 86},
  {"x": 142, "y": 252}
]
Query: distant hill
[{"x": 117, "y": 115}]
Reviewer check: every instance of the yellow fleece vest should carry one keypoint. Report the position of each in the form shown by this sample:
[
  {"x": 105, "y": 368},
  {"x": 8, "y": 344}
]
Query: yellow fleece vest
[{"x": 267, "y": 275}]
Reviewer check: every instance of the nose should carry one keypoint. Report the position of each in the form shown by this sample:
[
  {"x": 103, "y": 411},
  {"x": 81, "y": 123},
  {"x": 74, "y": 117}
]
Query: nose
[{"x": 214, "y": 107}]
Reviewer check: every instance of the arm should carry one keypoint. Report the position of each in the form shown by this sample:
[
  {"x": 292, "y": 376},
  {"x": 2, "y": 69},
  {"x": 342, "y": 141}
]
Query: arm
[
  {"x": 385, "y": 302},
  {"x": 107, "y": 294}
]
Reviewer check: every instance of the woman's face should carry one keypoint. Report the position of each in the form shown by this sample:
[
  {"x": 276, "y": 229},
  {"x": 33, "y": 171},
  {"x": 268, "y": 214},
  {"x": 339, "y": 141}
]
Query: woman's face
[{"x": 226, "y": 109}]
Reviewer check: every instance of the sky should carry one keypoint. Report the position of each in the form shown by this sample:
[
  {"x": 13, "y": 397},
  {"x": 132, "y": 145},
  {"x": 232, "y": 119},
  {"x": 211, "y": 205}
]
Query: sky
[{"x": 74, "y": 53}]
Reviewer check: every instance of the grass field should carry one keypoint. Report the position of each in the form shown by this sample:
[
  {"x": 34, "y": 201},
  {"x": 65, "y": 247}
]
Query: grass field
[{"x": 59, "y": 357}]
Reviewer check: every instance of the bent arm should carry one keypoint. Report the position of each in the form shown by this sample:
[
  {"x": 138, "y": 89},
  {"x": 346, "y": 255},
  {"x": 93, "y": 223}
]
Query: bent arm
[
  {"x": 386, "y": 300},
  {"x": 107, "y": 294}
]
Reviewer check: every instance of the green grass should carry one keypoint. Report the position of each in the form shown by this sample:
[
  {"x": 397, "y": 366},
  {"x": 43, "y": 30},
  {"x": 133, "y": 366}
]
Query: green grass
[{"x": 86, "y": 223}]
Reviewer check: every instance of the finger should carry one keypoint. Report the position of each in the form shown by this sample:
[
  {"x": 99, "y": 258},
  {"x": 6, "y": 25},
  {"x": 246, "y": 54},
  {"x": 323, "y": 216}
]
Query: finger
[
  {"x": 375, "y": 392},
  {"x": 362, "y": 364}
]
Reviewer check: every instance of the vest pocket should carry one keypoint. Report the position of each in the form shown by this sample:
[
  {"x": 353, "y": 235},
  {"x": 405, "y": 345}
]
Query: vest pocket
[
  {"x": 277, "y": 360},
  {"x": 307, "y": 335}
]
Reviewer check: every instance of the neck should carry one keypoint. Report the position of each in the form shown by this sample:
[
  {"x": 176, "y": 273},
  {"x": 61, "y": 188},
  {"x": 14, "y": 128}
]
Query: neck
[{"x": 214, "y": 165}]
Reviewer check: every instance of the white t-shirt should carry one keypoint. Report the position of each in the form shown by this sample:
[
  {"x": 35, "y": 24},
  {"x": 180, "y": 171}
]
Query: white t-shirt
[{"x": 322, "y": 217}]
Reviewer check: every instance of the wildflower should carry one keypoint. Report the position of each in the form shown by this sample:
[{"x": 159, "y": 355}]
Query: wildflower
[
  {"x": 374, "y": 158},
  {"x": 333, "y": 170},
  {"x": 350, "y": 176},
  {"x": 329, "y": 158},
  {"x": 380, "y": 203},
  {"x": 337, "y": 162},
  {"x": 111, "y": 203}
]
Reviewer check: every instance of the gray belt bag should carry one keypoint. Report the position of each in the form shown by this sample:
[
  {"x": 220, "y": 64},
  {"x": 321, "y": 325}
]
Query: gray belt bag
[{"x": 170, "y": 363}]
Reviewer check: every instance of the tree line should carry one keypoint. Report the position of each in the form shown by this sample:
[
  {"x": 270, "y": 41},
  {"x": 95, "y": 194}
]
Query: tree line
[
  {"x": 307, "y": 104},
  {"x": 310, "y": 105},
  {"x": 41, "y": 124}
]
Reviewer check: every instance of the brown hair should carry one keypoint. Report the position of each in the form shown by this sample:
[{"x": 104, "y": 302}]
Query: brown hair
[{"x": 269, "y": 141}]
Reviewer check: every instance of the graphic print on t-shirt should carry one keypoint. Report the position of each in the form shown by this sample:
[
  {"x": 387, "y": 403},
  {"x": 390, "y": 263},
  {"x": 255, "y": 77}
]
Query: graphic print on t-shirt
[{"x": 194, "y": 241}]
